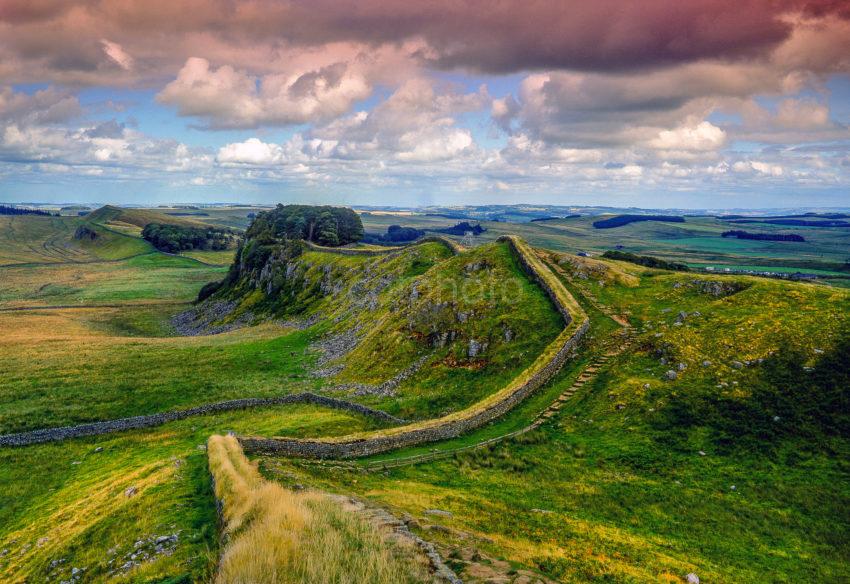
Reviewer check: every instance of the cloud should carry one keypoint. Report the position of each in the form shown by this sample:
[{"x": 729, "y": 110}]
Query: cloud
[
  {"x": 252, "y": 151},
  {"x": 229, "y": 98},
  {"x": 115, "y": 52},
  {"x": 703, "y": 136},
  {"x": 55, "y": 40}
]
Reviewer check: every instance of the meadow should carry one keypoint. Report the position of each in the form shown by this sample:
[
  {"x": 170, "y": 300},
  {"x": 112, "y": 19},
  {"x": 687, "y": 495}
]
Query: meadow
[{"x": 636, "y": 478}]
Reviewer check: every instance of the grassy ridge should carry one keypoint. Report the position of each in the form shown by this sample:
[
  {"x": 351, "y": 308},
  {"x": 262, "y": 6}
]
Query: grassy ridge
[
  {"x": 599, "y": 494},
  {"x": 29, "y": 239}
]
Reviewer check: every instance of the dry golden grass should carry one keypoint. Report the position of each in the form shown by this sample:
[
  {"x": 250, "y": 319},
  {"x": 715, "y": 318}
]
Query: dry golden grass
[{"x": 277, "y": 536}]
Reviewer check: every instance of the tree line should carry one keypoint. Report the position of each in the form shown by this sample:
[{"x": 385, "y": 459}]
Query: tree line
[
  {"x": 643, "y": 260},
  {"x": 763, "y": 236},
  {"x": 177, "y": 238},
  {"x": 9, "y": 210},
  {"x": 621, "y": 220}
]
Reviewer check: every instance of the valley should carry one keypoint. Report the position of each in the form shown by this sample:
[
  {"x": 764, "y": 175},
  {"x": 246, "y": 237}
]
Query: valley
[{"x": 689, "y": 426}]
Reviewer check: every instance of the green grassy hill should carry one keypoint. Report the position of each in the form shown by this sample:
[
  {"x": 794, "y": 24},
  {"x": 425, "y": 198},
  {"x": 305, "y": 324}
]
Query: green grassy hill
[
  {"x": 733, "y": 468},
  {"x": 137, "y": 217},
  {"x": 30, "y": 239}
]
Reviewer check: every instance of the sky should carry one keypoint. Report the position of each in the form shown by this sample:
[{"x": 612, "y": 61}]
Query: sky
[{"x": 654, "y": 104}]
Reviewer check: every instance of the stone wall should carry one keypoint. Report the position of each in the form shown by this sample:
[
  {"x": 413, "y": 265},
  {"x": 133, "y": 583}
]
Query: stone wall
[
  {"x": 136, "y": 422},
  {"x": 453, "y": 425}
]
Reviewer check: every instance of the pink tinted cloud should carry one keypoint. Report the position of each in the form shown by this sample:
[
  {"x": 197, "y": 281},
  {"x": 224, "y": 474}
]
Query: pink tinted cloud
[{"x": 60, "y": 39}]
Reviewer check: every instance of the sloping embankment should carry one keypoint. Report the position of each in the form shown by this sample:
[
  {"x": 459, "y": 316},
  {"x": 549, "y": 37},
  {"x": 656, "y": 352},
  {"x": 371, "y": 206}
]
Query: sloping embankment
[{"x": 542, "y": 370}]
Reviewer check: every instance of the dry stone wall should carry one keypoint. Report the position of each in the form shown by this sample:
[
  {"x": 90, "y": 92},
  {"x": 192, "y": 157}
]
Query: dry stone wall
[
  {"x": 137, "y": 422},
  {"x": 452, "y": 426}
]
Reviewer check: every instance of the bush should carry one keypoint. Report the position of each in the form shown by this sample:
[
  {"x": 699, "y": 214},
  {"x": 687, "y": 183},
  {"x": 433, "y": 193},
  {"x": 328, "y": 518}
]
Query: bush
[{"x": 208, "y": 290}]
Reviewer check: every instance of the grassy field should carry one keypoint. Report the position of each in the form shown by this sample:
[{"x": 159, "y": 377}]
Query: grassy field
[
  {"x": 29, "y": 239},
  {"x": 603, "y": 492},
  {"x": 697, "y": 241},
  {"x": 67, "y": 505},
  {"x": 614, "y": 488}
]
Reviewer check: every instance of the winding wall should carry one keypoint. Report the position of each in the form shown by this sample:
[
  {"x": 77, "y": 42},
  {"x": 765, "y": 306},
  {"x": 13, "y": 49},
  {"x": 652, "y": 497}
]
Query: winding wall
[
  {"x": 453, "y": 425},
  {"x": 136, "y": 422}
]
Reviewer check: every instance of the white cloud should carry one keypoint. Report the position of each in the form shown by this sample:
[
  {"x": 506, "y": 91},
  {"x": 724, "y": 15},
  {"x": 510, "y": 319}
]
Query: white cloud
[
  {"x": 252, "y": 151},
  {"x": 228, "y": 98},
  {"x": 703, "y": 136}
]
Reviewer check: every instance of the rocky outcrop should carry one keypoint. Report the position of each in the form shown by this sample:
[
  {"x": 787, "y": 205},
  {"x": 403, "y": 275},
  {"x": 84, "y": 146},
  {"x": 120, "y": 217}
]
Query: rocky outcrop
[
  {"x": 137, "y": 422},
  {"x": 453, "y": 425}
]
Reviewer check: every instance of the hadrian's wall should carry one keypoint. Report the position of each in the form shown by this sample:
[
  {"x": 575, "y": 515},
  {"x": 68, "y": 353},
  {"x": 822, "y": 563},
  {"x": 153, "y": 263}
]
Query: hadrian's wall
[
  {"x": 137, "y": 422},
  {"x": 475, "y": 416}
]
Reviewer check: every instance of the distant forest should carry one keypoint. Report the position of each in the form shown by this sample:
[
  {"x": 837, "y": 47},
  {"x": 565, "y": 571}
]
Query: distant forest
[
  {"x": 621, "y": 220},
  {"x": 394, "y": 234},
  {"x": 7, "y": 210},
  {"x": 642, "y": 260},
  {"x": 763, "y": 236},
  {"x": 324, "y": 225},
  {"x": 463, "y": 228},
  {"x": 177, "y": 238},
  {"x": 797, "y": 222}
]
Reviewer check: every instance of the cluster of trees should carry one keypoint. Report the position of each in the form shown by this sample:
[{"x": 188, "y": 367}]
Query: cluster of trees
[
  {"x": 8, "y": 210},
  {"x": 330, "y": 226},
  {"x": 177, "y": 238},
  {"x": 642, "y": 260},
  {"x": 621, "y": 220},
  {"x": 463, "y": 228},
  {"x": 763, "y": 236},
  {"x": 394, "y": 234}
]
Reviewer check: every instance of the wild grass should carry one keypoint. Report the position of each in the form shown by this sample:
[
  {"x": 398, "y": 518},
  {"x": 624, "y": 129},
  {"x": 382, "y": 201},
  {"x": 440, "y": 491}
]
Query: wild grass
[
  {"x": 65, "y": 503},
  {"x": 599, "y": 493},
  {"x": 278, "y": 536}
]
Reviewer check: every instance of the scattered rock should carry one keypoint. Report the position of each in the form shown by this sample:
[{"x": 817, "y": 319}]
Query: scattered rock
[
  {"x": 439, "y": 512},
  {"x": 736, "y": 365},
  {"x": 682, "y": 366},
  {"x": 99, "y": 449},
  {"x": 671, "y": 375},
  {"x": 706, "y": 363},
  {"x": 701, "y": 453},
  {"x": 692, "y": 578},
  {"x": 130, "y": 492}
]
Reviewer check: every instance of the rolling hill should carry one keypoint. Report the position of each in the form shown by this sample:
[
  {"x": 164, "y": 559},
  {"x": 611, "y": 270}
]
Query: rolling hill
[{"x": 695, "y": 427}]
